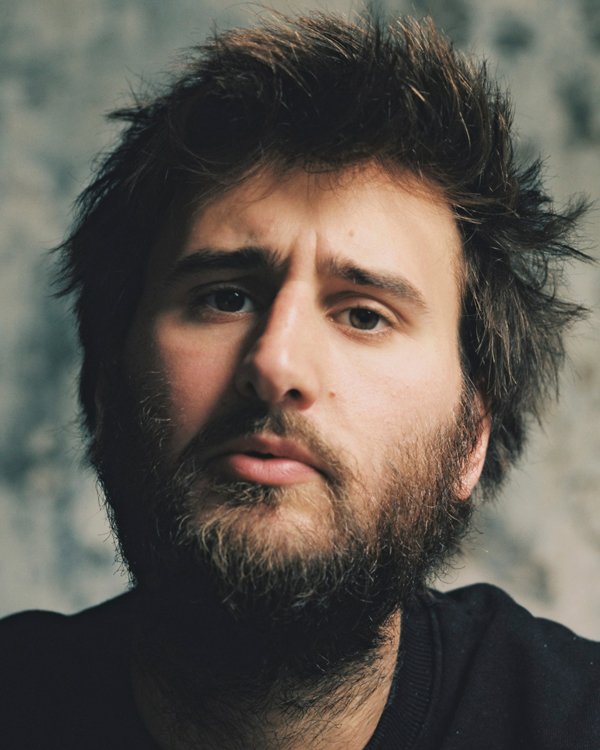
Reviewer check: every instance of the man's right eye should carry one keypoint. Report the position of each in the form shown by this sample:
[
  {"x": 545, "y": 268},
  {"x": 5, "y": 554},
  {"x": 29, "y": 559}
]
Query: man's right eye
[{"x": 229, "y": 301}]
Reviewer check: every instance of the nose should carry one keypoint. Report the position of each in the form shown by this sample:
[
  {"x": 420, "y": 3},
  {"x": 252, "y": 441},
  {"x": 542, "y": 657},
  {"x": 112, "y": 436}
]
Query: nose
[{"x": 282, "y": 367}]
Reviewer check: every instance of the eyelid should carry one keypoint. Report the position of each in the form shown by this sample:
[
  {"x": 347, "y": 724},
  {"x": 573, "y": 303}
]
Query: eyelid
[
  {"x": 197, "y": 305},
  {"x": 236, "y": 282},
  {"x": 357, "y": 298},
  {"x": 241, "y": 285},
  {"x": 387, "y": 324}
]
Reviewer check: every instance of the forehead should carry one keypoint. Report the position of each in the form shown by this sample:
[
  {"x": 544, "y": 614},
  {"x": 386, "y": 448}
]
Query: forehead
[{"x": 362, "y": 193}]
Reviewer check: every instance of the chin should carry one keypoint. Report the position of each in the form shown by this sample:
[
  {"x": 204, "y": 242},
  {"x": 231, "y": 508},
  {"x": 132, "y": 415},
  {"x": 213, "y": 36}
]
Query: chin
[{"x": 275, "y": 523}]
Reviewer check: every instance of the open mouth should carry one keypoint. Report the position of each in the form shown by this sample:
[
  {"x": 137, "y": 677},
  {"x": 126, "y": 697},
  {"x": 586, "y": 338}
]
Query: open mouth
[
  {"x": 266, "y": 468},
  {"x": 267, "y": 459},
  {"x": 258, "y": 454}
]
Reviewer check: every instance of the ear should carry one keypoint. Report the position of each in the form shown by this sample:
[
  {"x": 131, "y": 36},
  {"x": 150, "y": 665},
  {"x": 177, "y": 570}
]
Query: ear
[{"x": 476, "y": 460}]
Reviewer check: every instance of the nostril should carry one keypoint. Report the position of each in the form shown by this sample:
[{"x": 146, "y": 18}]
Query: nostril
[
  {"x": 251, "y": 389},
  {"x": 295, "y": 394}
]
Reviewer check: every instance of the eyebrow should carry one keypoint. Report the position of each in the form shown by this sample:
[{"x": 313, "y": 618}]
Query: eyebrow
[
  {"x": 260, "y": 258},
  {"x": 208, "y": 259},
  {"x": 396, "y": 286}
]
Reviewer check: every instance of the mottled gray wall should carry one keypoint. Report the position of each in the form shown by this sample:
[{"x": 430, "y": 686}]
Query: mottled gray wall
[{"x": 63, "y": 63}]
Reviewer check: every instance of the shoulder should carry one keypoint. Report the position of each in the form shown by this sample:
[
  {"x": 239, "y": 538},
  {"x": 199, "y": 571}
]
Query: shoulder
[
  {"x": 38, "y": 635},
  {"x": 62, "y": 675},
  {"x": 31, "y": 640},
  {"x": 493, "y": 619},
  {"x": 527, "y": 677}
]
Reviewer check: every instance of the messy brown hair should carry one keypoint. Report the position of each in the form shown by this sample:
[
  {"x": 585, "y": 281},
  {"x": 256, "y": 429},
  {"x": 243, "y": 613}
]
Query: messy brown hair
[{"x": 323, "y": 93}]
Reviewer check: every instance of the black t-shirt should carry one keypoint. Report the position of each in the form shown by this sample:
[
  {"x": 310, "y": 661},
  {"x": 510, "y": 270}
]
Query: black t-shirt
[{"x": 475, "y": 672}]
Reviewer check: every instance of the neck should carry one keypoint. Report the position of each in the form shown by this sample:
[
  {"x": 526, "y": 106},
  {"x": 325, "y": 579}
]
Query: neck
[{"x": 338, "y": 713}]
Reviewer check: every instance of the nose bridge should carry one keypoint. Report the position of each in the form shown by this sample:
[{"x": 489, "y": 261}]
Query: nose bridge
[
  {"x": 281, "y": 364},
  {"x": 284, "y": 329}
]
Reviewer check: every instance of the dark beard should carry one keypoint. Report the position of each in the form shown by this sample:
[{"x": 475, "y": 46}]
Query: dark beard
[{"x": 219, "y": 609}]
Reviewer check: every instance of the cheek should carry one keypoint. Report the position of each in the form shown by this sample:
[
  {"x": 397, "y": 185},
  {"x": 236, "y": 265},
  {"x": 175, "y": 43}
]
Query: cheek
[
  {"x": 384, "y": 402},
  {"x": 199, "y": 374}
]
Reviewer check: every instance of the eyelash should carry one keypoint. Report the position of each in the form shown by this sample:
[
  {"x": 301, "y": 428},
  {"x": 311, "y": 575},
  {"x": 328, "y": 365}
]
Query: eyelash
[
  {"x": 200, "y": 300},
  {"x": 363, "y": 308}
]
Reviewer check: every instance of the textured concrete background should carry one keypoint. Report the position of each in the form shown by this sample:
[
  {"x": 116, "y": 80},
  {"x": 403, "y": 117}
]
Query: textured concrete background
[{"x": 63, "y": 64}]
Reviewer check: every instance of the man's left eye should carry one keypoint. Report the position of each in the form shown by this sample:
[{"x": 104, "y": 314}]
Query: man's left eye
[
  {"x": 230, "y": 301},
  {"x": 363, "y": 319}
]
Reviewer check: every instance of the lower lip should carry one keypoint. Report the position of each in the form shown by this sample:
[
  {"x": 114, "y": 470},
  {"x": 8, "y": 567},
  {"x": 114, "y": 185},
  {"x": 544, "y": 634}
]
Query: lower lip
[{"x": 275, "y": 471}]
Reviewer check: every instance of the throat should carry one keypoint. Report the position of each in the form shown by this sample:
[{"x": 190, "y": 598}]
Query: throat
[{"x": 340, "y": 711}]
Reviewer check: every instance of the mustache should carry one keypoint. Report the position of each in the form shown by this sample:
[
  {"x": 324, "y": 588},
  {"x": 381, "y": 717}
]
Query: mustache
[{"x": 254, "y": 419}]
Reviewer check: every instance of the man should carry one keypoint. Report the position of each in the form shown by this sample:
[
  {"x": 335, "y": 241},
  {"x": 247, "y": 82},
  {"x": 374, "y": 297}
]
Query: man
[{"x": 318, "y": 305}]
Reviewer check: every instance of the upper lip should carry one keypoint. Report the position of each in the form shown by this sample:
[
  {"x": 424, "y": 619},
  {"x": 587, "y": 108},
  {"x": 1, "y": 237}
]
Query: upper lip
[{"x": 272, "y": 445}]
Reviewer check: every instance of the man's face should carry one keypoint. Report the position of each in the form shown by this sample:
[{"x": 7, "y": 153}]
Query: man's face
[
  {"x": 331, "y": 301},
  {"x": 288, "y": 443}
]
